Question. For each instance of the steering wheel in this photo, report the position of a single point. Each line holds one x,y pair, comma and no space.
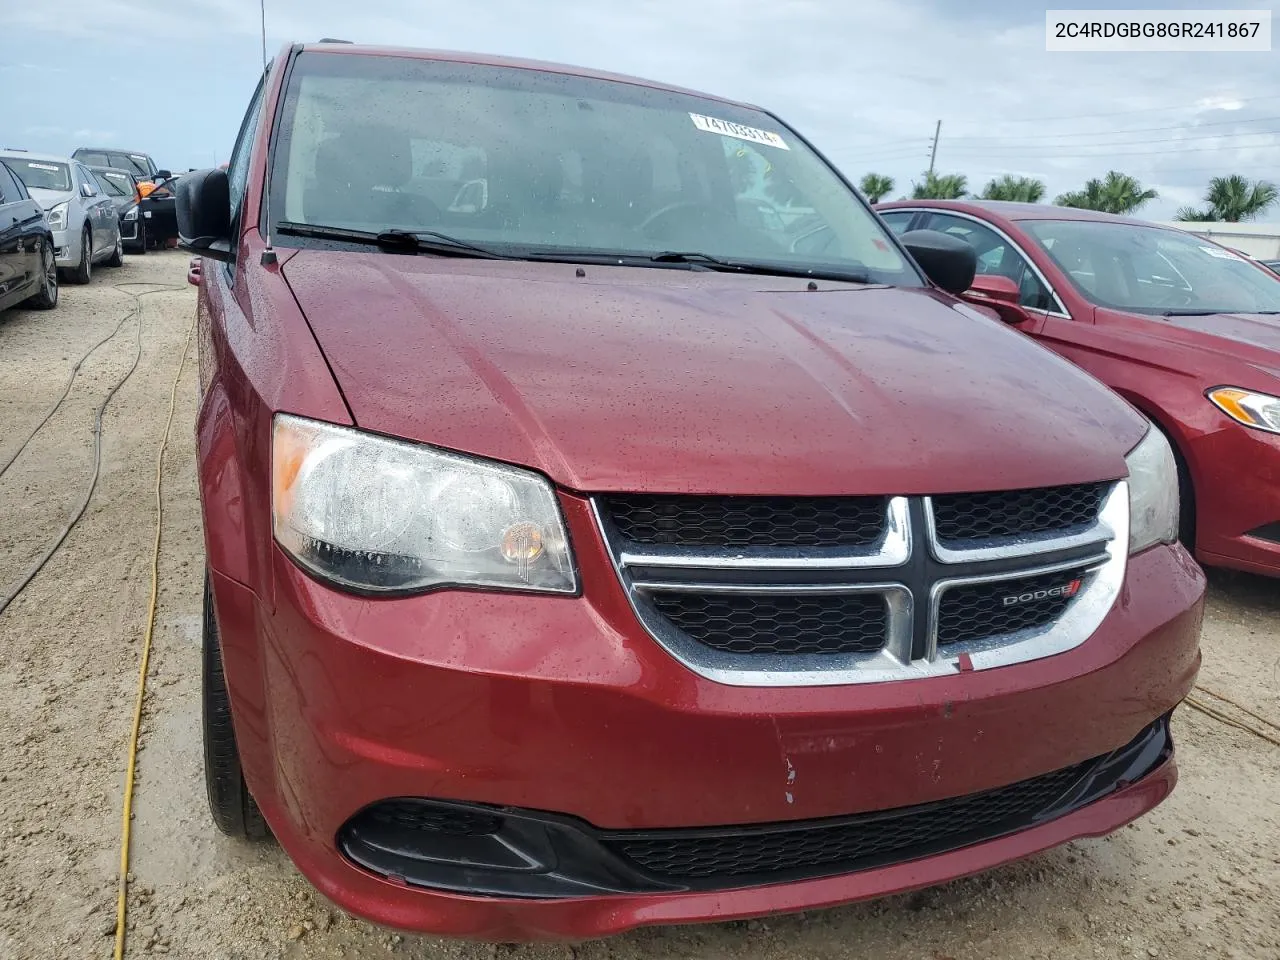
692,206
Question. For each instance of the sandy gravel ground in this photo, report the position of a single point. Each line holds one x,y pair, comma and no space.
1200,877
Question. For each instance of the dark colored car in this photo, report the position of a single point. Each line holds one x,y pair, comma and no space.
583,558
155,186
1183,328
140,164
122,187
28,271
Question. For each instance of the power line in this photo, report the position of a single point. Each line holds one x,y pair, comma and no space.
1109,133
1050,150
1121,113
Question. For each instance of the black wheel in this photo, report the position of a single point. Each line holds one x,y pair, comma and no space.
233,808
117,255
84,271
47,298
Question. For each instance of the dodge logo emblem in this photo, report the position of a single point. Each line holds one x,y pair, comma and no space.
1031,596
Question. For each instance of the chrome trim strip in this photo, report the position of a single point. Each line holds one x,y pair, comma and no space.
1096,534
768,589
892,550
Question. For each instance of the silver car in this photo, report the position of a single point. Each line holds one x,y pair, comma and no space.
82,217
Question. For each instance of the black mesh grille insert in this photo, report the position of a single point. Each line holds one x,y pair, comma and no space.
974,611
673,520
752,854
418,817
759,623
1016,513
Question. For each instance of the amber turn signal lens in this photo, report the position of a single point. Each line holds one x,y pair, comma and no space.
522,543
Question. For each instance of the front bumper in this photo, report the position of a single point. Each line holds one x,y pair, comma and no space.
564,705
66,248
162,218
1237,481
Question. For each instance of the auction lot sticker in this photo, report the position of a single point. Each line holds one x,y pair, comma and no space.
738,131
1182,31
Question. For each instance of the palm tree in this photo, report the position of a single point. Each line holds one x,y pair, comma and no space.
876,186
940,186
1232,199
1191,214
1009,187
1115,193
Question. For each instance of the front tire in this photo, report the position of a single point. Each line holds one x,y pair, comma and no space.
83,273
47,298
117,255
233,808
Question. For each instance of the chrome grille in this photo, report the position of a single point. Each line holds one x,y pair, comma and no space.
747,521
973,611
773,623
775,609
1016,513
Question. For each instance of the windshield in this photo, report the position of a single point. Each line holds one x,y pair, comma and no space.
139,163
41,174
542,163
1154,270
115,184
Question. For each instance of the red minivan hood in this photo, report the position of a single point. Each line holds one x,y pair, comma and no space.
675,381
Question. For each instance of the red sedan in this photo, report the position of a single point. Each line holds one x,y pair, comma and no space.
1186,330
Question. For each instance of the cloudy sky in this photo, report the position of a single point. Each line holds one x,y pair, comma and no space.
864,80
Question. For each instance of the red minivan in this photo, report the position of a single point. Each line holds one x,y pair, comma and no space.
1185,329
582,557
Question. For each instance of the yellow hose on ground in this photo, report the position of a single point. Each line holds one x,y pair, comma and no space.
122,896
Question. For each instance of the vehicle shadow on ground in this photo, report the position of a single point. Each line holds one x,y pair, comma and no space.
1245,591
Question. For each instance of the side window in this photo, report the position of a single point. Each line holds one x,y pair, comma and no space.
898,220
85,179
996,256
9,192
238,169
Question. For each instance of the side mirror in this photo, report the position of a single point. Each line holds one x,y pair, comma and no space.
948,261
1000,294
204,214
163,175
86,191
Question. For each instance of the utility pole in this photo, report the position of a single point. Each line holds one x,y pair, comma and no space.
933,153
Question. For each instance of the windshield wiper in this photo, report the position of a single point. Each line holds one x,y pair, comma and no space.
395,240
1188,313
709,262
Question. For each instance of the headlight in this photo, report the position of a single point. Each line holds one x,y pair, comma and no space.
385,515
57,216
131,213
1258,410
1153,492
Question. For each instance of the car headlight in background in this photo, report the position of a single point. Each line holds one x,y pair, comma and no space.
1258,410
1153,492
57,216
385,515
131,213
